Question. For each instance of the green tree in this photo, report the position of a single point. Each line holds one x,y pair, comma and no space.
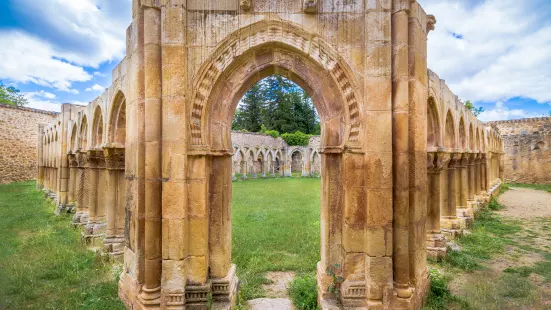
248,115
470,106
276,105
11,95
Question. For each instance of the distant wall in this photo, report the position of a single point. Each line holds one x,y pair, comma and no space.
527,144
18,141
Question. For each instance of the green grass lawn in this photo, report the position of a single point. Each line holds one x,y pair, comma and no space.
43,264
276,227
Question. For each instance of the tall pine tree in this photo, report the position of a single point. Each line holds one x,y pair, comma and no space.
278,104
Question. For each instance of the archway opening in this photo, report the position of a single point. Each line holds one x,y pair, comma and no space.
275,220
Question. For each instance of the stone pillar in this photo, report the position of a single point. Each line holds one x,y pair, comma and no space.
477,180
305,165
501,165
483,177
113,244
450,223
95,227
436,242
40,158
81,187
471,200
73,167
465,218
243,170
151,290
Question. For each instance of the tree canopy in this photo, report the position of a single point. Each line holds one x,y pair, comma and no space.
11,95
276,105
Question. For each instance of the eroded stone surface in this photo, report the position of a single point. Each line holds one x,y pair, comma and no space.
150,161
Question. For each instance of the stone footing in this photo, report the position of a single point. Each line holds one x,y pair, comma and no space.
94,233
465,218
113,248
436,246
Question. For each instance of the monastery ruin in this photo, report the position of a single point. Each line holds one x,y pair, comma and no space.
147,166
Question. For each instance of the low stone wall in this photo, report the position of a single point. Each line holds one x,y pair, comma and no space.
527,145
18,141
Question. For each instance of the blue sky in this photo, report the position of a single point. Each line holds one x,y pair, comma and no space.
496,53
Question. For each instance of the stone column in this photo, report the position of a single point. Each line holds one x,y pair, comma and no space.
501,165
151,290
450,223
436,242
477,179
81,186
40,158
305,166
264,168
465,218
243,170
92,194
73,167
114,162
471,201
483,177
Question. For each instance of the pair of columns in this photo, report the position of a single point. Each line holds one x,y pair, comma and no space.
97,189
456,182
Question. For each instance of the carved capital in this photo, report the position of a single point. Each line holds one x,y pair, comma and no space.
72,158
455,159
442,160
95,159
82,159
431,21
431,157
114,158
245,5
310,6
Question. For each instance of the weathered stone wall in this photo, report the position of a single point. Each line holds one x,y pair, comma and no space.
527,149
18,141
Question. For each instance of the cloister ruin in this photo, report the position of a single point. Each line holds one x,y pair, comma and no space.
147,166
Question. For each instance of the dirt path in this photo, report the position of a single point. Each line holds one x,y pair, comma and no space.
277,296
525,203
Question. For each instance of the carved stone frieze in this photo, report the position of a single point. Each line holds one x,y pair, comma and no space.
114,158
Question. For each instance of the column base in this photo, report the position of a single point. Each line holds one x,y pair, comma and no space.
224,291
94,233
473,206
233,178
254,176
436,246
80,218
113,248
64,208
464,217
150,298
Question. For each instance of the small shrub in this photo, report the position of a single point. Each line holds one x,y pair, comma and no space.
297,138
494,205
440,297
304,292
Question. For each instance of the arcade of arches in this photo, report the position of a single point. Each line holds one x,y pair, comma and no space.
147,166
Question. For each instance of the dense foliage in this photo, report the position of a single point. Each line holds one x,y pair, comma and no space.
10,95
297,138
276,105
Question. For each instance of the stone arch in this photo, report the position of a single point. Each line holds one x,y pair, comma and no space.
297,160
450,140
97,128
277,48
117,120
433,124
83,133
73,145
462,134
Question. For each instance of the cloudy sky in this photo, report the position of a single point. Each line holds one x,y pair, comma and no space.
496,53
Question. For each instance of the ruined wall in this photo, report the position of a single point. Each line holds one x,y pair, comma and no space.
18,141
527,149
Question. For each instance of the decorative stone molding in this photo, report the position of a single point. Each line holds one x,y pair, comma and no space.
114,158
245,4
431,21
310,6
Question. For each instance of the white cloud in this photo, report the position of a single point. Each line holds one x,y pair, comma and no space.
501,112
96,87
43,101
504,52
29,59
87,32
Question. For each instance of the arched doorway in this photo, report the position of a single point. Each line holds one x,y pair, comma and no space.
297,162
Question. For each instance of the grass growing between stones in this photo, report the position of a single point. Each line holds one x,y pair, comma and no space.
43,264
276,227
